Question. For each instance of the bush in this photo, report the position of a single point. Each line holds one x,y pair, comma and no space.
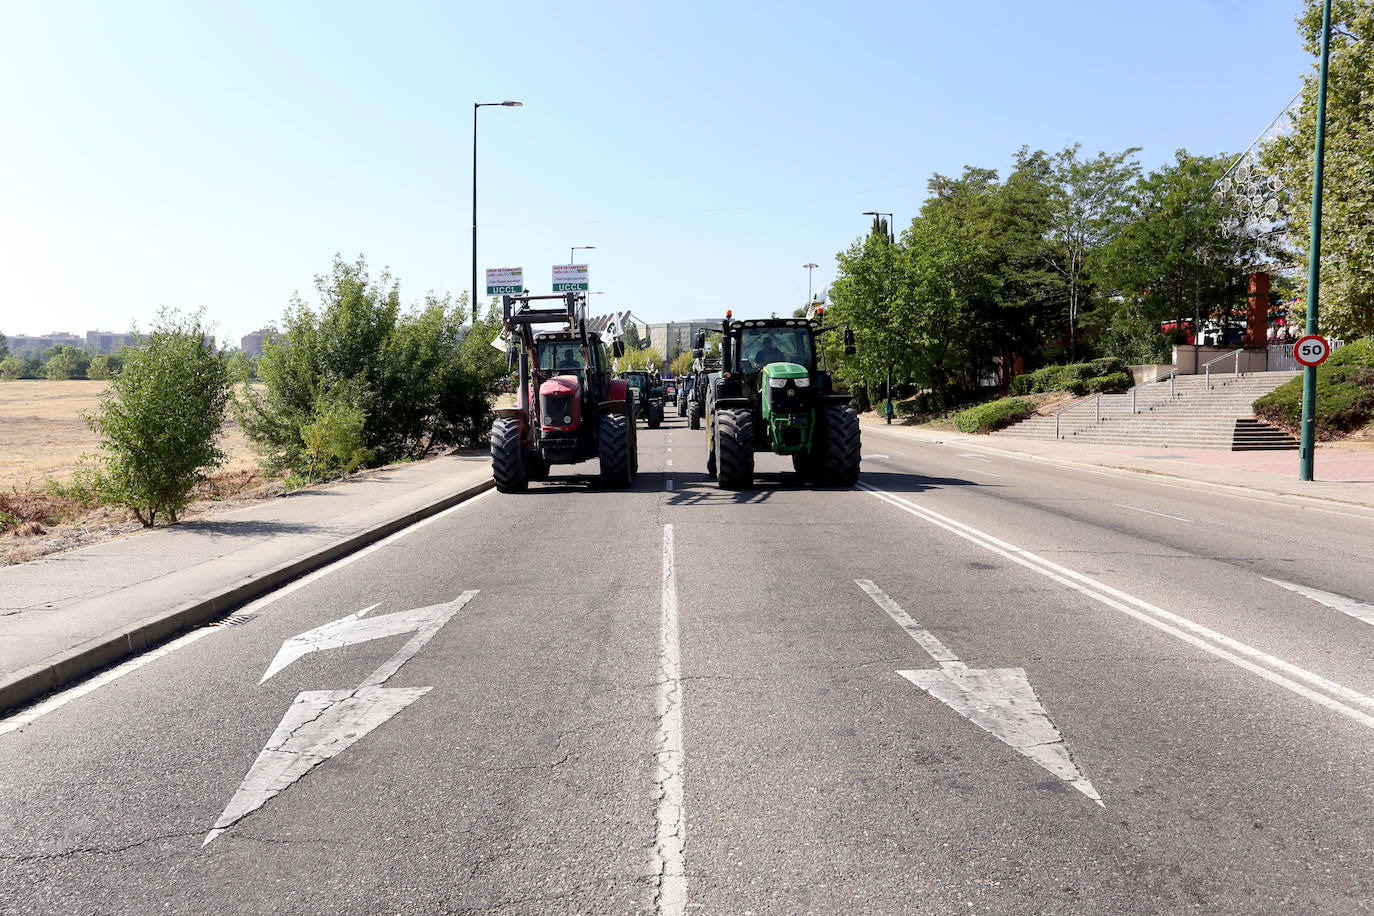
1072,377
1345,394
103,366
1113,381
415,380
923,404
160,419
992,415
11,368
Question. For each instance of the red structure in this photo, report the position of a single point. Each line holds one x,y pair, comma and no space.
1257,318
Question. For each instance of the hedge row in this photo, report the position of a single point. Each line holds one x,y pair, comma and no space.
985,418
1107,374
1345,394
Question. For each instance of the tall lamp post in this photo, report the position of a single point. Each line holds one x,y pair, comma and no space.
810,266
475,106
891,238
1309,374
576,248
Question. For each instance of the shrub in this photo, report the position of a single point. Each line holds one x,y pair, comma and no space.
11,368
160,418
103,366
923,404
992,415
1345,394
1113,381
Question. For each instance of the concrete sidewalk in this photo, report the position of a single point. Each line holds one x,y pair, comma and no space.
65,616
1343,477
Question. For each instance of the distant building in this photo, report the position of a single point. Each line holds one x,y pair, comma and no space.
251,344
107,341
20,343
673,337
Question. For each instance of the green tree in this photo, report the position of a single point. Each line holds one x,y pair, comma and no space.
1087,209
1347,271
4,346
160,418
865,297
66,362
641,358
11,368
1172,256
683,364
103,366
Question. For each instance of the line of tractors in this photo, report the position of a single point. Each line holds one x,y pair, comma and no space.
759,387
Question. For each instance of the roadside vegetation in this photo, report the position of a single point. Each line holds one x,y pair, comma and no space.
1345,395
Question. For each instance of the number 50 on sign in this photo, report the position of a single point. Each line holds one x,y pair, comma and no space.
1311,350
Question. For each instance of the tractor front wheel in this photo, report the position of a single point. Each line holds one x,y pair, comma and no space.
693,416
842,449
613,449
735,448
655,416
507,464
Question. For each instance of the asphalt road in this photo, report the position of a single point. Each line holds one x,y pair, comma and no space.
684,699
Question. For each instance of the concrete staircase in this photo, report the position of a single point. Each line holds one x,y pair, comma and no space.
1195,416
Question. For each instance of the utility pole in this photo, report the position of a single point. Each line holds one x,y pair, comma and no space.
1309,375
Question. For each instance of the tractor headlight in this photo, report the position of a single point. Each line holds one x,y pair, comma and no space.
567,421
777,383
548,421
802,382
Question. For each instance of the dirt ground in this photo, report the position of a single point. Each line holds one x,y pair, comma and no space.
43,435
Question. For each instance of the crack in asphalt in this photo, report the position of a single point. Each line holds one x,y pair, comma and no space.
97,850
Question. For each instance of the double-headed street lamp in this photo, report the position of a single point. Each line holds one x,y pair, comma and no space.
891,236
576,248
810,266
475,106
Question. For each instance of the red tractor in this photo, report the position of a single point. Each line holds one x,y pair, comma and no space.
567,409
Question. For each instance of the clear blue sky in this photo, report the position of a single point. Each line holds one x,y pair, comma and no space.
218,155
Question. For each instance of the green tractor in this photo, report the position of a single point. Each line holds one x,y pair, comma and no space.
771,395
648,388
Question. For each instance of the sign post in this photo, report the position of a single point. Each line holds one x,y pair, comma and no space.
505,281
570,278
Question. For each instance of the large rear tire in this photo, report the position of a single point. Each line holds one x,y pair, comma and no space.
843,451
634,435
613,449
655,416
694,416
735,448
507,464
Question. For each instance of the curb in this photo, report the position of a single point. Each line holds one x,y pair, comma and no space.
28,684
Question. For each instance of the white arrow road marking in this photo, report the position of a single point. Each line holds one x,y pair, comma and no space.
998,700
323,723
1273,669
1357,609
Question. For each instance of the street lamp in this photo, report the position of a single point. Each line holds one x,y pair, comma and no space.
575,248
891,238
475,106
891,235
810,266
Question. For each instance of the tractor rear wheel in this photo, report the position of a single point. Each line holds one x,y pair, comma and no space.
655,415
842,454
735,448
694,416
613,448
507,464
634,436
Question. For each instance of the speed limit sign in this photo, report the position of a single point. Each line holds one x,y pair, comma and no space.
1311,350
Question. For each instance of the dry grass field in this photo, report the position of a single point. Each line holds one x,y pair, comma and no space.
43,433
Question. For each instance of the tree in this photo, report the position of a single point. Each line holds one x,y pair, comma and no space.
160,418
1087,210
1173,256
683,364
11,368
103,366
66,362
864,296
642,358
4,346
1347,263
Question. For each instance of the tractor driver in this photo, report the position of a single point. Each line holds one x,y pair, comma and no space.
767,352
569,359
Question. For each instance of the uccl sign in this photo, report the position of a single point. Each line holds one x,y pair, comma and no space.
505,280
570,278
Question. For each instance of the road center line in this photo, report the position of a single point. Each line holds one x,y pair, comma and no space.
1176,518
983,472
1346,605
1191,632
670,825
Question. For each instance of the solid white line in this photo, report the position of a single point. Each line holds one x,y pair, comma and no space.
1153,512
1179,627
926,639
670,840
670,462
58,700
1346,605
867,457
981,471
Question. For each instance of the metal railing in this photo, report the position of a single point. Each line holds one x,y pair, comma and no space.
1171,375
1207,366
1097,406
